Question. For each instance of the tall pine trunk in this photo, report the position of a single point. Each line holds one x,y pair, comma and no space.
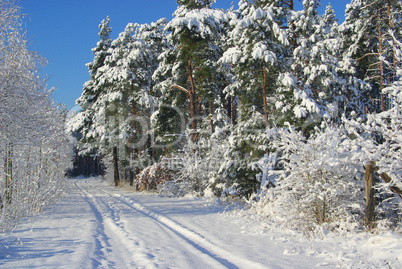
264,94
134,149
116,167
211,122
192,97
380,51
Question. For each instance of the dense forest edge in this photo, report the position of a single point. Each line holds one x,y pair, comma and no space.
286,111
279,107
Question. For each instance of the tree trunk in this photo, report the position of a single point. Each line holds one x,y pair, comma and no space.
383,105
8,172
294,41
192,97
131,177
391,24
211,122
232,111
102,169
116,167
264,94
134,113
369,217
134,149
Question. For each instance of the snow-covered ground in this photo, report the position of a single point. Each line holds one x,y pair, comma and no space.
98,226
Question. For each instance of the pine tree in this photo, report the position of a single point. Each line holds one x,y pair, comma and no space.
126,82
91,91
256,55
119,89
304,67
187,70
367,39
258,46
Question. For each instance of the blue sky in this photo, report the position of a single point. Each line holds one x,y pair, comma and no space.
65,31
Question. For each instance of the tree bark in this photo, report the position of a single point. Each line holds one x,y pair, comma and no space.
134,149
192,97
211,122
8,172
383,105
369,217
294,41
116,167
391,24
264,94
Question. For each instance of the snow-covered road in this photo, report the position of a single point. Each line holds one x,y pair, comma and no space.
98,226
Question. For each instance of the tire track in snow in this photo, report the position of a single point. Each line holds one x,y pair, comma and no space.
125,242
101,240
194,239
193,251
207,247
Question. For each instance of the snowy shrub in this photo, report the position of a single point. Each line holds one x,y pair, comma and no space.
38,178
152,177
200,162
319,185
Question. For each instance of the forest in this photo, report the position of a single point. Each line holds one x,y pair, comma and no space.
280,109
264,103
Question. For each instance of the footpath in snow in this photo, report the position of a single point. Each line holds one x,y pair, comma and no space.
98,226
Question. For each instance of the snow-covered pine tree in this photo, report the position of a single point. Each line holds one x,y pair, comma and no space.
231,88
187,68
258,45
309,73
125,82
83,121
256,55
367,40
148,43
390,151
322,70
191,82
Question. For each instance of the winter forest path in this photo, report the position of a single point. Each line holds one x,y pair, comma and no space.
98,226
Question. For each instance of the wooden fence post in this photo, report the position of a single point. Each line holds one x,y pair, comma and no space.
370,199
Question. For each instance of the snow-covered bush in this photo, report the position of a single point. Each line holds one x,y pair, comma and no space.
37,179
199,163
152,177
321,182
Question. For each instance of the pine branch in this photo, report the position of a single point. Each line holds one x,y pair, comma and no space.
368,54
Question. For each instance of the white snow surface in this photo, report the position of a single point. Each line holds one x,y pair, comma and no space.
98,226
